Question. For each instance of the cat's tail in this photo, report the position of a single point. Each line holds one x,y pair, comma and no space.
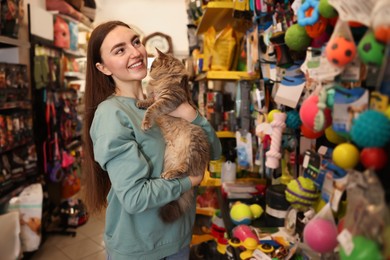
172,211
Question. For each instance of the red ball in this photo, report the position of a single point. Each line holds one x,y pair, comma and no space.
374,157
309,133
340,51
309,110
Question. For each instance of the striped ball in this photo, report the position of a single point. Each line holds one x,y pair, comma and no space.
301,193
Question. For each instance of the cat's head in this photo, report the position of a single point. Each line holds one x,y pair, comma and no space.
165,65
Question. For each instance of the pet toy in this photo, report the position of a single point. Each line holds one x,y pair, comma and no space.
274,155
241,213
346,156
320,235
301,193
370,50
340,51
363,248
373,157
296,38
371,129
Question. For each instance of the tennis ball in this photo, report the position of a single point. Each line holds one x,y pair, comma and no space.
301,193
346,156
256,210
296,38
326,10
270,116
240,213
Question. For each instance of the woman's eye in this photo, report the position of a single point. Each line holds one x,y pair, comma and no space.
119,51
137,42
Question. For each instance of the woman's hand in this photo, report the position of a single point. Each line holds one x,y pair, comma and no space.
196,180
185,111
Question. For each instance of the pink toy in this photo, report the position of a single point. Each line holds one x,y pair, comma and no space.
243,232
274,155
320,235
309,110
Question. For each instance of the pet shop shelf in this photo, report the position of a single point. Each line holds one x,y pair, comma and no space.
11,42
226,75
217,14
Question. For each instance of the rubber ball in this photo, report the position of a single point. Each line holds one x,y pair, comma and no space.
340,51
363,249
373,158
345,156
320,235
371,51
293,120
371,129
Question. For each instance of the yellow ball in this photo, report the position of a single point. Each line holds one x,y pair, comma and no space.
333,137
256,210
270,116
346,155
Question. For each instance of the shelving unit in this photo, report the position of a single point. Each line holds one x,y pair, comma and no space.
16,133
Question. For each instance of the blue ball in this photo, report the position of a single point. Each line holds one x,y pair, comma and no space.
293,120
371,129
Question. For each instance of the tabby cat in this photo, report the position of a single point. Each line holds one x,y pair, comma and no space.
187,146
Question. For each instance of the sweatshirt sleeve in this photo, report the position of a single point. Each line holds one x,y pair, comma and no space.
118,153
215,143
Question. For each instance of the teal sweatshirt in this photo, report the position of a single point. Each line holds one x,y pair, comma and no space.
134,161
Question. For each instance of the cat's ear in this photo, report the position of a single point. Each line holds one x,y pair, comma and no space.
160,53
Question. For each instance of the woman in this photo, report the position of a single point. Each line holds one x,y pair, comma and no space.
124,163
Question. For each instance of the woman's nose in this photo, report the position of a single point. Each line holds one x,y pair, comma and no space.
134,51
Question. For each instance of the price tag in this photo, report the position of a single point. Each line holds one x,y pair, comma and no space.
345,240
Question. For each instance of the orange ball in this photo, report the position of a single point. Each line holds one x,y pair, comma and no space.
340,51
309,133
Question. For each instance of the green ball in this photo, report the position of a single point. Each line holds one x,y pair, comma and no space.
364,249
326,10
370,50
296,38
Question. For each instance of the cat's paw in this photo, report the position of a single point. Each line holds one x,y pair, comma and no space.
146,125
168,175
141,104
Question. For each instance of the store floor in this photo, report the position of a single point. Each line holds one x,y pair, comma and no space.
86,245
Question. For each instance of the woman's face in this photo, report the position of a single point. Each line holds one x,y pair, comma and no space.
123,56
